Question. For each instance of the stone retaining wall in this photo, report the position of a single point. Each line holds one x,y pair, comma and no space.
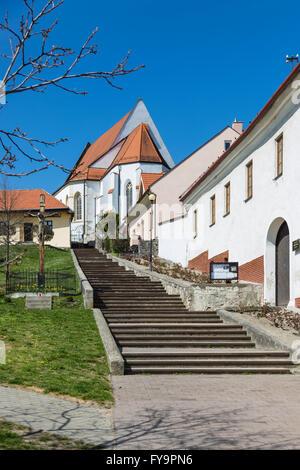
202,297
85,287
144,247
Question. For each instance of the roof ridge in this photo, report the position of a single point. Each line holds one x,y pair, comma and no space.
141,136
97,149
31,201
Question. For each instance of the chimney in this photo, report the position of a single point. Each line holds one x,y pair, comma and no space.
237,126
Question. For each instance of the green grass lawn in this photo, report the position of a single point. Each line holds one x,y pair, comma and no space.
56,350
15,437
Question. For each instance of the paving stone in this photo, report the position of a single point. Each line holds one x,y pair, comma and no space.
207,412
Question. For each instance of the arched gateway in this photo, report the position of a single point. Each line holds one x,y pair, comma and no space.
277,263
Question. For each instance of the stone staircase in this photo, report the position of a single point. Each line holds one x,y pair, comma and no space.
157,334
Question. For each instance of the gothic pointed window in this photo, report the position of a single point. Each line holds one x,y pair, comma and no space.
128,196
78,206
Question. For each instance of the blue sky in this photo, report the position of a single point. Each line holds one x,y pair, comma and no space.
206,63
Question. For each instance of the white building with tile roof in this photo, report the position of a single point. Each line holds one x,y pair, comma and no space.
108,175
245,207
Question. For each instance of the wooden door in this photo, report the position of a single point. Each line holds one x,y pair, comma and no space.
28,233
283,266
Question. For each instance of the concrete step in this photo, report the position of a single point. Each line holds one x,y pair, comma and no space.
136,300
206,370
208,362
142,308
187,314
158,314
158,335
237,336
175,331
161,320
134,297
153,312
225,353
185,343
174,326
124,286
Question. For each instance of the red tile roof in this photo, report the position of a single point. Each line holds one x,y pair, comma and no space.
28,199
138,147
259,116
150,178
96,150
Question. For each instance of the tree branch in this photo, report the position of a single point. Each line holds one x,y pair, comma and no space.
34,73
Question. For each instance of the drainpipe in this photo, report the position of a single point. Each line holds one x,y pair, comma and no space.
119,189
83,233
119,194
95,215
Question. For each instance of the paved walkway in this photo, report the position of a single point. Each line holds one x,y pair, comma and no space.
172,412
49,414
207,412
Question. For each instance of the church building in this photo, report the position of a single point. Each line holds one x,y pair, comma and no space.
109,173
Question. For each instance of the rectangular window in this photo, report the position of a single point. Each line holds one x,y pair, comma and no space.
249,176
227,199
279,156
213,210
227,144
195,223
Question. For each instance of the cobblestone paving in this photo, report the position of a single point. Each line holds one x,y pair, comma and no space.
207,412
46,413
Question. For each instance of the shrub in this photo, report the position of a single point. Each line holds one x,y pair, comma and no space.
120,245
107,244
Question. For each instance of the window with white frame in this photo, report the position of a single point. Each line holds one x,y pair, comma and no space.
195,222
249,180
78,206
213,210
279,156
227,198
128,196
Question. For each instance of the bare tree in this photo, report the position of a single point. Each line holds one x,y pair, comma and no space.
51,65
9,223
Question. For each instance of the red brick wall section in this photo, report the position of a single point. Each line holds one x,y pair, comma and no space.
253,271
297,302
219,258
200,262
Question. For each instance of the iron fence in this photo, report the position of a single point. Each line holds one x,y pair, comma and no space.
33,281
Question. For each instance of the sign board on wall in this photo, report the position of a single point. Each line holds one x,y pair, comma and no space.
224,271
296,245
